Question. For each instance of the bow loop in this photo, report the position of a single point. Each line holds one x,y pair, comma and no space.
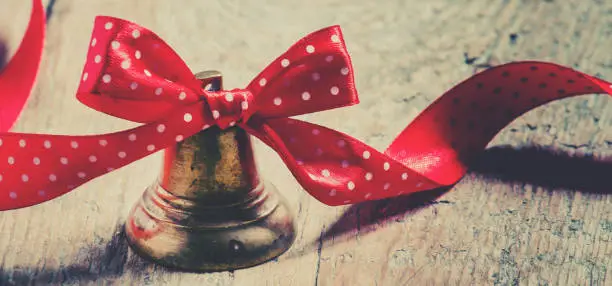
129,67
315,74
229,107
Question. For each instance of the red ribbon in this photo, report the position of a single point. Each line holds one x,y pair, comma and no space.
132,74
18,76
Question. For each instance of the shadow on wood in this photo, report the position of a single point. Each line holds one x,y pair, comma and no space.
546,168
98,262
3,55
536,166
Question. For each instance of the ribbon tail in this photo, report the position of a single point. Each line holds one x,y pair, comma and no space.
333,167
36,168
442,141
18,77
435,149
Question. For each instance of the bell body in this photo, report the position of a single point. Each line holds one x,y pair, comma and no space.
209,210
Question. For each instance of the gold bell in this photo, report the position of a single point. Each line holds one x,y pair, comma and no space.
209,210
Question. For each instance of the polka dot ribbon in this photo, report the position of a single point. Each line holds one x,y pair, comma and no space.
132,74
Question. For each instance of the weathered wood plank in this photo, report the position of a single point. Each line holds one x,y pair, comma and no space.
542,230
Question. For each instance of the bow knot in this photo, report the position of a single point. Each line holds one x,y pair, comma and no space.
228,107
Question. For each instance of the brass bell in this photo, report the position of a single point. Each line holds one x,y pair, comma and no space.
209,210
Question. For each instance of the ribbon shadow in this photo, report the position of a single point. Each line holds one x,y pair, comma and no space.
3,55
546,168
536,166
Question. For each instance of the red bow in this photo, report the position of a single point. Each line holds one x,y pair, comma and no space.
131,73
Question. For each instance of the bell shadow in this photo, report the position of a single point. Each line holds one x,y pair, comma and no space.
108,261
529,165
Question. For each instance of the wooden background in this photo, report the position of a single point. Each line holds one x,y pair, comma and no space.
535,210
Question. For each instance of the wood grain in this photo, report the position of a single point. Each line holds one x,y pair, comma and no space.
542,220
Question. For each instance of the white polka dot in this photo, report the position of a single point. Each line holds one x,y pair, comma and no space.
137,54
115,45
369,176
344,71
332,193
13,195
245,105
232,123
85,75
366,154
150,147
106,78
133,85
329,59
161,128
335,38
418,185
93,42
93,158
11,160
334,90
229,97
74,144
81,175
216,114
147,73
103,142
136,34
132,137
41,193
404,176
47,144
316,76
262,82
22,143
52,178
110,169
310,49
299,162
64,160
25,178
350,185
386,166
158,91
325,173
36,161
182,95
386,186
1,142
125,64
178,138
108,25
341,143
278,101
368,195
316,132
306,95
345,164
121,154
97,59
319,151
285,63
